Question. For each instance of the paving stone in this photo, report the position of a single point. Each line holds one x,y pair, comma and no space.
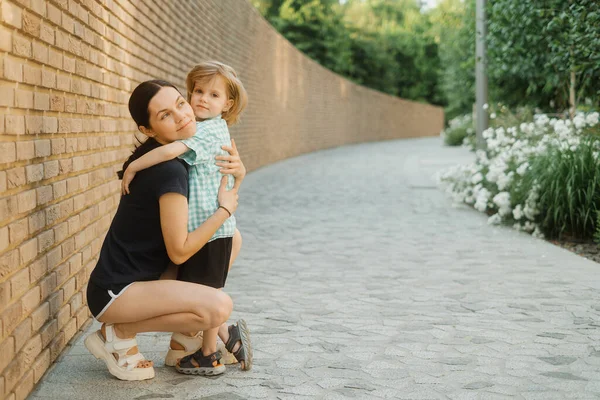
359,279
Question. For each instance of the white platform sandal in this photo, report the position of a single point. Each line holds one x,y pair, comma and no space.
125,368
191,344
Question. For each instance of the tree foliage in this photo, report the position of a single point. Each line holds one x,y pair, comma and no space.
541,53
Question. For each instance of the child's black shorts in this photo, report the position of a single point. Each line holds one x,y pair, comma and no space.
209,266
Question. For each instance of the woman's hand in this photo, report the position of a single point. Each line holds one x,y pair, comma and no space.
232,164
227,198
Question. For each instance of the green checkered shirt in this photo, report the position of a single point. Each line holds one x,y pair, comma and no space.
204,175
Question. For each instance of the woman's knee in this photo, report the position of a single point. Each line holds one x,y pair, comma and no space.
216,309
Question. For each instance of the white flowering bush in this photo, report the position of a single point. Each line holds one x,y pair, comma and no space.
458,130
542,177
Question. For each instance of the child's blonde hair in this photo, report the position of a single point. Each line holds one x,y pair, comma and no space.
235,90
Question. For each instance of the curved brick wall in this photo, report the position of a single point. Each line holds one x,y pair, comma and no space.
67,68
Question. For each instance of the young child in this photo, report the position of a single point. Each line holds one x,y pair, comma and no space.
218,98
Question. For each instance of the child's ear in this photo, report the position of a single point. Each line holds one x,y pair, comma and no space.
228,105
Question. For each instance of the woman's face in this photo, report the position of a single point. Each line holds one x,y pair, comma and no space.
171,117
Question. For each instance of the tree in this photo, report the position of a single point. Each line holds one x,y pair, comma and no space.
549,47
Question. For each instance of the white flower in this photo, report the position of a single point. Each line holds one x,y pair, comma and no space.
493,115
494,219
476,178
486,106
518,212
592,119
502,200
481,200
523,168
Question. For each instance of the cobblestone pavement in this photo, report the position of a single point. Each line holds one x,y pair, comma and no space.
360,279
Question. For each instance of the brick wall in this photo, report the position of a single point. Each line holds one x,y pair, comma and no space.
67,68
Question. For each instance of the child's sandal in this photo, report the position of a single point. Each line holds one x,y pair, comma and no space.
240,333
199,364
126,366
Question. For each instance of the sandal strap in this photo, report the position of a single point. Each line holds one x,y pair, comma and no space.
189,343
130,361
234,337
114,344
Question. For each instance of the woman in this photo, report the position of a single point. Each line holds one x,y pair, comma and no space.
149,229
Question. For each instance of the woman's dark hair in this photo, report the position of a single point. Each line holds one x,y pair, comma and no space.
138,108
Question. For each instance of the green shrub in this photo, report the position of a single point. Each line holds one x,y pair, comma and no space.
568,183
456,136
458,129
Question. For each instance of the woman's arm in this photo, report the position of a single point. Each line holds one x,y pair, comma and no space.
232,164
180,244
150,159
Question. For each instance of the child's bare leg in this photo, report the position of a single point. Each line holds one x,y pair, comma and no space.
236,246
209,341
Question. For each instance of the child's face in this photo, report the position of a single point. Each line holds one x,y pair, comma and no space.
209,98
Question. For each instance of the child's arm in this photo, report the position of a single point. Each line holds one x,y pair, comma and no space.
161,154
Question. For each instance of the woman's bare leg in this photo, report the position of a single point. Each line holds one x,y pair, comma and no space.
168,306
